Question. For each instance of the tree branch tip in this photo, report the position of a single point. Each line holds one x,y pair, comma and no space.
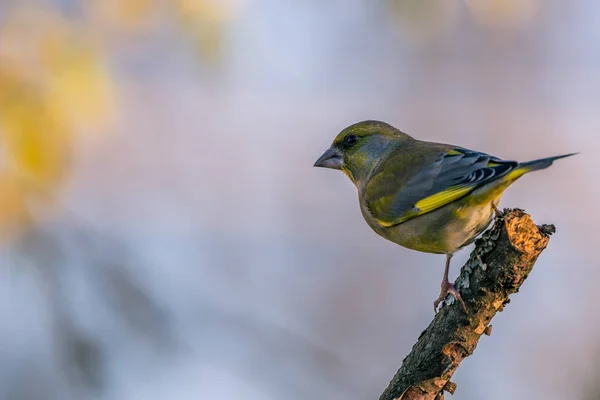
488,330
547,229
449,387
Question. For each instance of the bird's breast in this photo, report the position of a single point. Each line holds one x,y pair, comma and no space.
442,231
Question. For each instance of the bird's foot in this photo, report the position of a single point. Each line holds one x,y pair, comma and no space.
499,214
448,287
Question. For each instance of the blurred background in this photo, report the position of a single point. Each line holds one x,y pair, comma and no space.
164,235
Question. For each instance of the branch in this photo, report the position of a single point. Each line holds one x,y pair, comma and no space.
501,261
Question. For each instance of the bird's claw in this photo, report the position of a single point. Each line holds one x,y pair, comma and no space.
499,214
448,288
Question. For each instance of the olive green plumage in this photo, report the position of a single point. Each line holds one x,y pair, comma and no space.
430,197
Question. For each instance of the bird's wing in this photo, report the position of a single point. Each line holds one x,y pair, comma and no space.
395,196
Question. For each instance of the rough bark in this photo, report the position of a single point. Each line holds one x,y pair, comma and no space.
501,261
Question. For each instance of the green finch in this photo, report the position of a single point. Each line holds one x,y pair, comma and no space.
430,197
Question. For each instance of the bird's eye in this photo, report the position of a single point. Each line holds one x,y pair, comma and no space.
350,140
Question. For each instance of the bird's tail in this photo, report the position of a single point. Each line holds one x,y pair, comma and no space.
535,165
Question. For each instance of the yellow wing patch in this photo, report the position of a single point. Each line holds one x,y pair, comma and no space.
442,198
516,173
431,203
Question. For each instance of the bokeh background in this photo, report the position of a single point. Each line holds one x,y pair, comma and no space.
164,235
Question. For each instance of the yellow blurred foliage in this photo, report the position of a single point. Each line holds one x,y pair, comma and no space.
124,16
32,132
55,86
35,142
423,21
78,85
217,11
503,14
206,21
52,84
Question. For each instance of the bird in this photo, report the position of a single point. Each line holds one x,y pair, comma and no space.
425,196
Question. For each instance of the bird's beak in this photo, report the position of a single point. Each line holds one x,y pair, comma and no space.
330,159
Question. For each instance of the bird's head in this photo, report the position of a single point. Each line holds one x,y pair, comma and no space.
357,148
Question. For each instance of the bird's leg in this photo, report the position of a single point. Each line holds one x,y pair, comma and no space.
499,214
448,287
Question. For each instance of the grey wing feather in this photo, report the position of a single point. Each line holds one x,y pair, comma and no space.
459,167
